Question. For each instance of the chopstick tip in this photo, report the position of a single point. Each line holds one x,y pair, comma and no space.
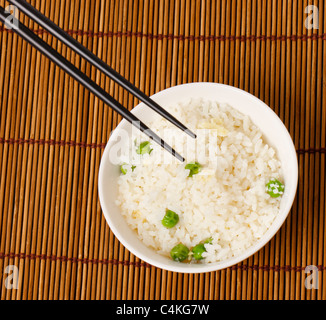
179,157
190,133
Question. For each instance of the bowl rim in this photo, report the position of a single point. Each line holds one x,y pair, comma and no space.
200,268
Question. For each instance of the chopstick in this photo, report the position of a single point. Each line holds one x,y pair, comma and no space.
64,37
83,79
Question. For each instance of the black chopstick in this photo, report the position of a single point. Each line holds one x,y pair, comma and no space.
83,79
63,36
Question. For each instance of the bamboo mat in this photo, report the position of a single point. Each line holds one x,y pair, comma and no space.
53,132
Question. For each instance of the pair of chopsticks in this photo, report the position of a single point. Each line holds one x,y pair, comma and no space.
82,78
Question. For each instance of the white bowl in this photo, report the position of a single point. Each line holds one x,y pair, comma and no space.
275,134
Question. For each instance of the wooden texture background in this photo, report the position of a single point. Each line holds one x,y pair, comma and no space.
53,132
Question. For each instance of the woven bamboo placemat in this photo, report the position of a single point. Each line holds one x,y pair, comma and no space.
53,132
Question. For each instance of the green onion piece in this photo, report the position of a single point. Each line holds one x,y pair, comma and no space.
198,250
144,147
194,168
123,169
179,252
170,219
209,240
274,188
